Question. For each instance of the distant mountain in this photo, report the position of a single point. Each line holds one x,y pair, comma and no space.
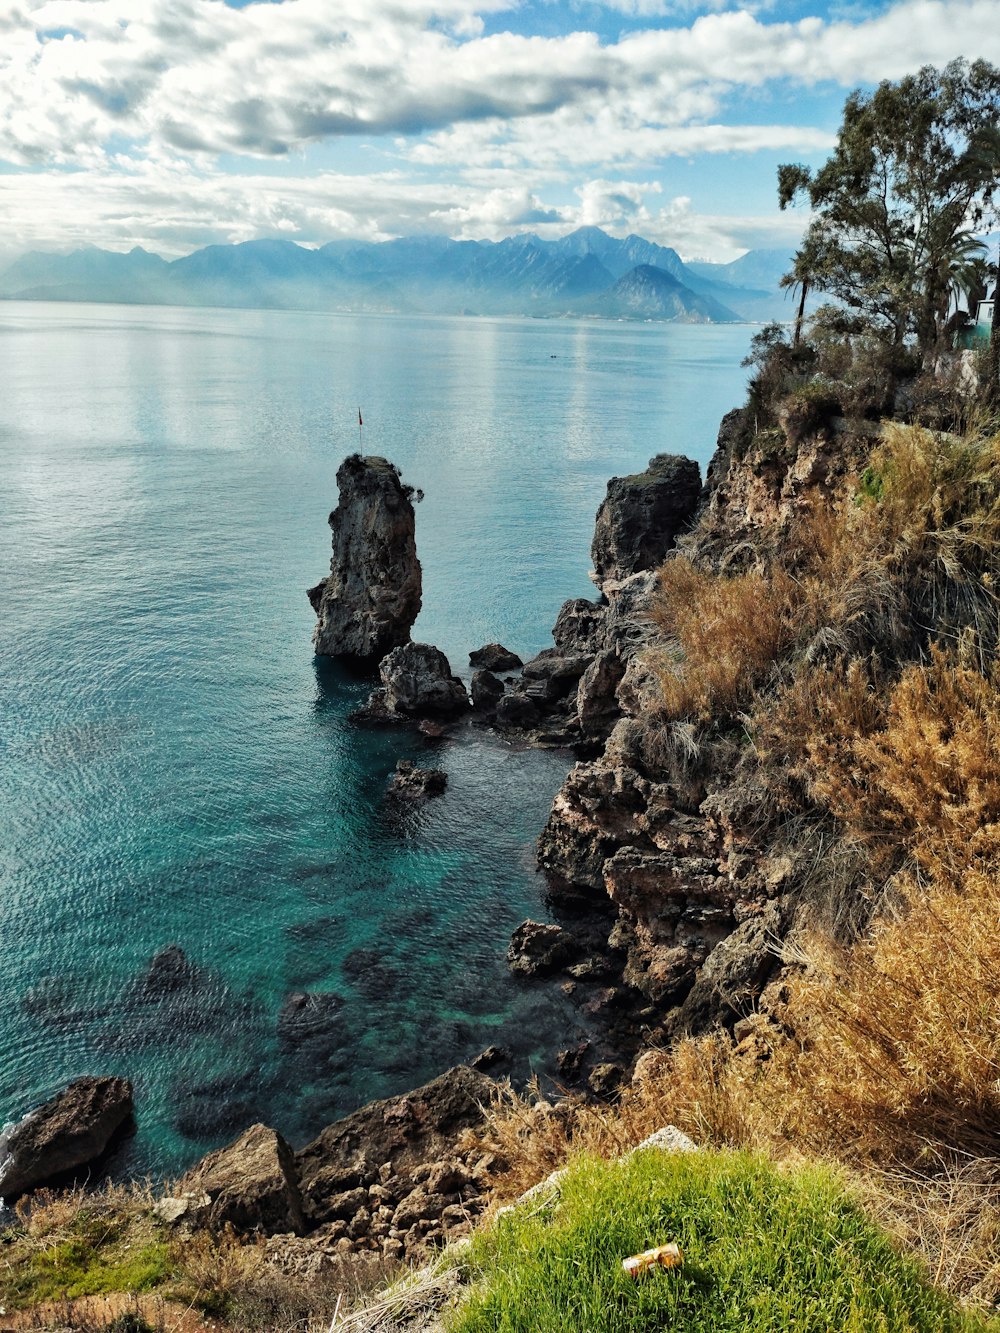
648,292
585,273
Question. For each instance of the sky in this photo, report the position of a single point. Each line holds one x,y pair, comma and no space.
173,124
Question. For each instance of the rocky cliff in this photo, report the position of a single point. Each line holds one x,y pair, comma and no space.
367,604
672,822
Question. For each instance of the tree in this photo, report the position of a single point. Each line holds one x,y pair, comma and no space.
984,159
897,203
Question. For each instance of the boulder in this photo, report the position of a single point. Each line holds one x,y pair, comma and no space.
417,679
495,657
536,949
643,515
393,1140
68,1132
251,1185
487,691
371,597
410,783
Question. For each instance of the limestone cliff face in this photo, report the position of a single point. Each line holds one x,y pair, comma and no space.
369,601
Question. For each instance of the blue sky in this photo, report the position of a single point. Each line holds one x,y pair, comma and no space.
176,123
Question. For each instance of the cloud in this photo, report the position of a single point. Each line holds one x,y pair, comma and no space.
116,113
202,78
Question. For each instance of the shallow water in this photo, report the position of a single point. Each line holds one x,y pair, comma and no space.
179,769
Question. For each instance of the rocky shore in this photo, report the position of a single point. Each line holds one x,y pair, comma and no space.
668,887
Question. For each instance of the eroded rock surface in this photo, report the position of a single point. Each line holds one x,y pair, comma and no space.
417,682
410,783
367,604
252,1185
393,1171
67,1133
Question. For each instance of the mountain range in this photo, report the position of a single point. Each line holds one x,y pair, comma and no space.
585,273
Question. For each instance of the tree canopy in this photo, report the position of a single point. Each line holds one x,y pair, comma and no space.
898,204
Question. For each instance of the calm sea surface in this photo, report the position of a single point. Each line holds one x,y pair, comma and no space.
177,768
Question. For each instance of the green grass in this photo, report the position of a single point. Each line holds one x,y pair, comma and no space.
766,1251
98,1252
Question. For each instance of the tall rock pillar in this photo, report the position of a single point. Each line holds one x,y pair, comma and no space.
367,604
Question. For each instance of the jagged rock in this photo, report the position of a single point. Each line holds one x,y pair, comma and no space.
66,1133
596,695
734,974
251,1185
536,949
555,671
491,1057
643,515
570,1061
369,601
495,657
487,691
410,783
417,679
391,1140
579,627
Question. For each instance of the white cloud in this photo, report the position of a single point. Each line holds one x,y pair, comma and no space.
135,100
198,77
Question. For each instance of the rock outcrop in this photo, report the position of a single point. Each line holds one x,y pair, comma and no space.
417,682
367,604
252,1185
570,694
386,1182
643,515
66,1134
680,832
393,1171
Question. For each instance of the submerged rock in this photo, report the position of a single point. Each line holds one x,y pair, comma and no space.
68,1132
417,679
371,597
643,515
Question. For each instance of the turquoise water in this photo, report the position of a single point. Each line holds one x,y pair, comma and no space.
179,769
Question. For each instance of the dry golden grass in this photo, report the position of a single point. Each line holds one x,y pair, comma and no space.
915,555
729,631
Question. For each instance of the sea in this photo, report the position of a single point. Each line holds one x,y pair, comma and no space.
180,773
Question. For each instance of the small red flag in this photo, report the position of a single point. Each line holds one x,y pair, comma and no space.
360,422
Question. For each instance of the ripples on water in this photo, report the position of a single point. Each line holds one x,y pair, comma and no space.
178,769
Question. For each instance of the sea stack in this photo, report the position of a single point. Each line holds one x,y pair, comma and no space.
371,597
